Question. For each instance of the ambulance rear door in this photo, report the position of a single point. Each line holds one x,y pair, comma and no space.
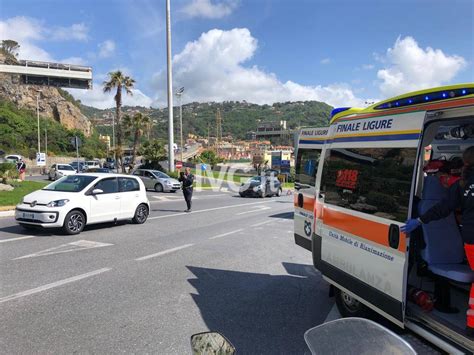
365,191
310,144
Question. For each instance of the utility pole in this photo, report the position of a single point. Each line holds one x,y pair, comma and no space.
179,93
46,141
170,90
38,119
218,130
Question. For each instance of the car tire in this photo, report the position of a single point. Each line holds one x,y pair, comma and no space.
74,222
278,194
141,214
28,227
241,194
348,306
158,187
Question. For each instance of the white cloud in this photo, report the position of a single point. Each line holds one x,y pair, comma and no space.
74,60
368,66
210,9
212,69
77,31
106,48
325,61
97,98
28,31
410,68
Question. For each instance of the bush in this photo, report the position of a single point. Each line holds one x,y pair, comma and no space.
8,171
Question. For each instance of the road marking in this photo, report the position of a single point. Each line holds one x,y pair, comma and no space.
261,223
180,198
52,285
251,211
208,210
66,248
13,239
164,252
225,234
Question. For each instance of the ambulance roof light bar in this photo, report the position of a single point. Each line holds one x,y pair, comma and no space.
335,111
431,96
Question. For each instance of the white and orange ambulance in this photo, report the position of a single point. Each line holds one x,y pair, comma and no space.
308,151
368,182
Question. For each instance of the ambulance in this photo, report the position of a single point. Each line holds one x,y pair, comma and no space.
370,178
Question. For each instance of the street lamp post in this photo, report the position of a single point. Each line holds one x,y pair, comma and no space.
179,94
170,89
38,119
46,141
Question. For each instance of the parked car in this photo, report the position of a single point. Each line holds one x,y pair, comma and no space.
109,163
261,186
82,199
13,158
80,164
157,180
92,164
59,170
99,170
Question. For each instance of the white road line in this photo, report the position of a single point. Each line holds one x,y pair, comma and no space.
13,239
252,211
164,252
52,285
208,210
67,248
225,234
261,223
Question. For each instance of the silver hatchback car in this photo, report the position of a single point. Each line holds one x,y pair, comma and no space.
157,180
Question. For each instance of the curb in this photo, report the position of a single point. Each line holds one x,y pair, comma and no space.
10,213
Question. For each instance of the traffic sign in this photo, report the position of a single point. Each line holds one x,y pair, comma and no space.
179,165
76,141
40,159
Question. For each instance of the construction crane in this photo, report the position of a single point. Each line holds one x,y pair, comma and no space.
218,130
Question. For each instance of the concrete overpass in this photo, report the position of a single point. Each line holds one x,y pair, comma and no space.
51,74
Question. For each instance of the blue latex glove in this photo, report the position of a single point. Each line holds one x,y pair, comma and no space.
410,225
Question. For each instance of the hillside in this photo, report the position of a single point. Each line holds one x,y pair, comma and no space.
238,117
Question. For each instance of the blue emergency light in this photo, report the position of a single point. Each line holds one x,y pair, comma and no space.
335,111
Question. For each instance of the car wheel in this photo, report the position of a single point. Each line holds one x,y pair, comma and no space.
158,187
28,226
279,192
348,306
141,214
74,222
241,194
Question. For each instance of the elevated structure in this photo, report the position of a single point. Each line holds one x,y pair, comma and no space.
274,129
51,74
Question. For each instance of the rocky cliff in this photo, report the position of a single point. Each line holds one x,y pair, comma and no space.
51,104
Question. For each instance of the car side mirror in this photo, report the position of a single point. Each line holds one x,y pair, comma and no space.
211,343
97,191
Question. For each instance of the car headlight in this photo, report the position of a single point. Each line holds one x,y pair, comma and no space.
57,203
167,182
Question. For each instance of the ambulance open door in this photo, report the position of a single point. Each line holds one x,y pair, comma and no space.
364,199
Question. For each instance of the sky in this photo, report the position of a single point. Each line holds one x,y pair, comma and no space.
342,52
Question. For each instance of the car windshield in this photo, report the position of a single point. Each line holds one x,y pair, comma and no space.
160,174
256,179
71,183
65,167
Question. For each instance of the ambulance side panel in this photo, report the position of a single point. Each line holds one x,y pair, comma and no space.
310,144
366,180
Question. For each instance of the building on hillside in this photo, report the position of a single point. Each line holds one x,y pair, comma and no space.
106,140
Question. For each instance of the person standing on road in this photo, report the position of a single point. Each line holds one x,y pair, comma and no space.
187,179
21,166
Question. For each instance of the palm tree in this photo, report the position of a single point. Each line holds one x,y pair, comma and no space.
136,125
122,82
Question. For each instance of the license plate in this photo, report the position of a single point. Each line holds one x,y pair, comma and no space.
27,215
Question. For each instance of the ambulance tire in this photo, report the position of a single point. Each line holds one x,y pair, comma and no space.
348,306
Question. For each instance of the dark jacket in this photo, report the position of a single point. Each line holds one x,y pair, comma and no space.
187,181
458,197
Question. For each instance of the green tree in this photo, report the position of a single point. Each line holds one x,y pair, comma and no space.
117,80
210,157
135,125
154,151
10,48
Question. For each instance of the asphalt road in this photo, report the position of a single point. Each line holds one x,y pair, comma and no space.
230,266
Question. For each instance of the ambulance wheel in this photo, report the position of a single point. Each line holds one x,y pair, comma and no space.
348,306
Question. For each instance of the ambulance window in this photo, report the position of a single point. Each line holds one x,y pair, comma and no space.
371,180
306,167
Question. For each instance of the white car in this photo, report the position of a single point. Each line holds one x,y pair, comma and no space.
77,200
157,180
92,164
59,170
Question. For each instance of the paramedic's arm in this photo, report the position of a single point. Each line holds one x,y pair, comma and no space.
443,208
